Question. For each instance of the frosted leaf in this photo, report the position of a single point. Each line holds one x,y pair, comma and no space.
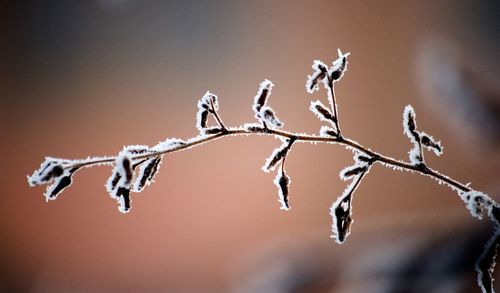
208,102
120,181
341,212
326,131
253,127
49,169
212,130
147,171
409,124
339,66
277,155
476,202
169,144
320,71
322,112
260,99
485,265
414,155
282,181
431,144
60,183
351,171
201,119
268,116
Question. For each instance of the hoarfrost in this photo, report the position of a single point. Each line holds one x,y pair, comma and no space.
326,131
339,66
431,144
169,144
319,74
485,265
277,155
282,181
269,117
120,181
260,99
322,112
147,171
476,202
341,211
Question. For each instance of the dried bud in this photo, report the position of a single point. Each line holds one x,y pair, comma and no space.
431,144
267,116
341,211
326,131
339,66
319,74
322,112
201,119
282,181
147,171
212,130
262,94
351,171
278,154
51,168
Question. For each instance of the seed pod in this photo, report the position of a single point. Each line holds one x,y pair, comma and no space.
147,171
322,112
320,71
262,94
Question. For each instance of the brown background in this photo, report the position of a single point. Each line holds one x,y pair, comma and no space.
87,77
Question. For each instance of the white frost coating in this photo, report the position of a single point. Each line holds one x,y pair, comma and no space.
121,205
54,189
252,126
323,115
277,155
45,173
431,144
282,181
318,75
476,202
268,116
261,97
152,167
346,208
409,118
326,131
168,145
339,62
207,101
414,155
119,176
201,119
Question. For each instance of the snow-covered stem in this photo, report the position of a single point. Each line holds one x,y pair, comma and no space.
385,160
57,173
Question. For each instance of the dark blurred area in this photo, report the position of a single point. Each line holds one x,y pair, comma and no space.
83,78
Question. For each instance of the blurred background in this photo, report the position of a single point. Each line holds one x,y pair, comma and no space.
80,78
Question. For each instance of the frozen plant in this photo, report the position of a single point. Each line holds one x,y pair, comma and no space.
135,166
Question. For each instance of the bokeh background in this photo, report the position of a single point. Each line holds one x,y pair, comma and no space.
80,78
